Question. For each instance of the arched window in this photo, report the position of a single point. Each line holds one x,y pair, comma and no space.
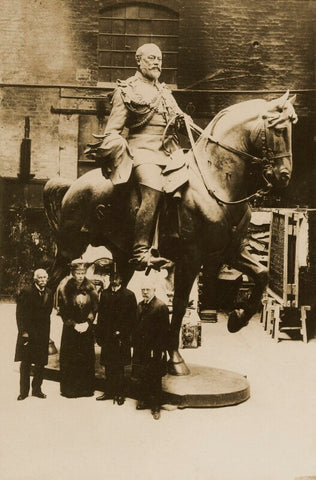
123,29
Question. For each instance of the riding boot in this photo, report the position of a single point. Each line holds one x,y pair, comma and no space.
145,222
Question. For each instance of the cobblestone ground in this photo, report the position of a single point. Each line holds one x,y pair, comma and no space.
272,436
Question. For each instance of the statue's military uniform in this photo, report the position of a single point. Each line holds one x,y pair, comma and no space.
145,110
135,136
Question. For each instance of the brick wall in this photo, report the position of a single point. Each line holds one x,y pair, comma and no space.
43,43
53,137
47,41
248,44
241,45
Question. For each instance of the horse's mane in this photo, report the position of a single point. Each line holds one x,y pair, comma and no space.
236,114
240,110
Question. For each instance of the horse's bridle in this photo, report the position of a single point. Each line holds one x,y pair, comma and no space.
266,162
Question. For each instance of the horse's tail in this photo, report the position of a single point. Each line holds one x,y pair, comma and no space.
53,194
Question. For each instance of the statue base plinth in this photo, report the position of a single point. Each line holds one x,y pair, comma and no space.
203,387
206,387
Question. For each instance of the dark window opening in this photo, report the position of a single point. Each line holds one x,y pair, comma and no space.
123,29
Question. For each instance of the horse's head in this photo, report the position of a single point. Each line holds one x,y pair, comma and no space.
253,136
272,139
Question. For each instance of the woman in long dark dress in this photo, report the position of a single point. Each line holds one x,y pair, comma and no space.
78,305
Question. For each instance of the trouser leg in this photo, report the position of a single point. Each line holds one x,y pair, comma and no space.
155,393
108,389
117,380
37,378
150,388
121,382
110,381
150,393
25,369
142,391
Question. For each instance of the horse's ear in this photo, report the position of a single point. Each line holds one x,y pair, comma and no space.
279,102
284,99
292,99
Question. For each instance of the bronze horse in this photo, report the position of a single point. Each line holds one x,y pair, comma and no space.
243,143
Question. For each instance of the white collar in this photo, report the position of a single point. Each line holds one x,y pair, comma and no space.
147,302
116,289
39,289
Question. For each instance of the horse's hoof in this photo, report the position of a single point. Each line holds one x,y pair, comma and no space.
179,368
236,321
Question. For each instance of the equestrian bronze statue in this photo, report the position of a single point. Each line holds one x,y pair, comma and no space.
245,151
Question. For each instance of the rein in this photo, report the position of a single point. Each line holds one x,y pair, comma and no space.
266,161
240,153
257,194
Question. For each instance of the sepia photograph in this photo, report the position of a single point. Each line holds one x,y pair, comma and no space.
158,240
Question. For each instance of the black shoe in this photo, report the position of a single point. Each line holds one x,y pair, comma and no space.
39,394
22,397
141,405
155,413
119,399
105,396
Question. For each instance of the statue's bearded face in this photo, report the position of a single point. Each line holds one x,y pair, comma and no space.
150,63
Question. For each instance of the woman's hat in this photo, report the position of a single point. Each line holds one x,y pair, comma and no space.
78,265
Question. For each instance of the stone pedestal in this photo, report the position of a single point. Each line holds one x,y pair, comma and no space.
203,387
206,387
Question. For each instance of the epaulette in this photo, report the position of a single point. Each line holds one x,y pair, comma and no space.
121,83
129,92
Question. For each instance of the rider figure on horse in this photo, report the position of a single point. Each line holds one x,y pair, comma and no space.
142,107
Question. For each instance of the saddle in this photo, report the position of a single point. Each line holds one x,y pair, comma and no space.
124,201
176,172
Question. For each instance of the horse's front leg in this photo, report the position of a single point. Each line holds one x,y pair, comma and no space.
122,266
247,264
186,271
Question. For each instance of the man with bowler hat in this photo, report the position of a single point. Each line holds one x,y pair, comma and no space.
116,317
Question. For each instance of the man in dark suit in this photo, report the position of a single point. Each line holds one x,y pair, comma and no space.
116,316
34,306
150,339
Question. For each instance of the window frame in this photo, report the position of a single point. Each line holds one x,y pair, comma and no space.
106,14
